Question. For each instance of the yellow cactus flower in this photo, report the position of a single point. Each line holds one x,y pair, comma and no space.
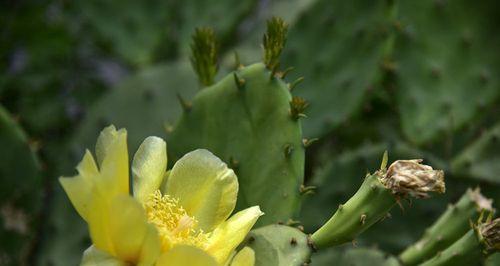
175,217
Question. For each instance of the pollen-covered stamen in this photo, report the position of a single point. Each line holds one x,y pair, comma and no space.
174,225
410,177
490,231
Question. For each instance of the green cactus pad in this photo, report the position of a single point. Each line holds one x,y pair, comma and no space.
279,245
340,57
145,104
481,160
140,33
245,120
354,256
445,70
20,194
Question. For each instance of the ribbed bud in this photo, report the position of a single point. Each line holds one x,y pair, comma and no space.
410,177
490,231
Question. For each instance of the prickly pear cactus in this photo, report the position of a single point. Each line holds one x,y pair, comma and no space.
441,91
250,120
354,256
481,160
449,227
141,33
279,245
322,42
145,104
19,195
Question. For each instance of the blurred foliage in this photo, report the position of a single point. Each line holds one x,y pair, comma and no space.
418,78
19,208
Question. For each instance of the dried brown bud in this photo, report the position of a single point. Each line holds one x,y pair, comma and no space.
410,177
482,203
490,231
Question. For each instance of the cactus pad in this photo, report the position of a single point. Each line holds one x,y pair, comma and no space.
279,245
245,120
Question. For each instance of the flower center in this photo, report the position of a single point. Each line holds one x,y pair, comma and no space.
174,225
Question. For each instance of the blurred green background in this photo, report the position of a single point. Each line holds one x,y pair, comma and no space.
418,78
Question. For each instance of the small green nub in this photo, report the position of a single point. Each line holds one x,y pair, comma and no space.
204,55
274,40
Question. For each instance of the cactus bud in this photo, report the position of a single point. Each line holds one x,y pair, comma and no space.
410,177
273,42
490,232
204,55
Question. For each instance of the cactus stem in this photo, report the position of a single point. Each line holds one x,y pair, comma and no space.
292,85
186,106
240,82
374,199
449,227
308,142
477,244
288,150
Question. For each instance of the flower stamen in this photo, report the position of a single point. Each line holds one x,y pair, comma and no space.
174,224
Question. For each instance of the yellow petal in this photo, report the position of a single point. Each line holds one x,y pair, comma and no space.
245,257
78,188
87,167
186,256
105,139
163,186
227,236
148,167
112,156
121,229
95,257
205,187
150,247
99,222
127,227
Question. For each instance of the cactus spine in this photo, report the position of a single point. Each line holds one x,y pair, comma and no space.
449,227
376,196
